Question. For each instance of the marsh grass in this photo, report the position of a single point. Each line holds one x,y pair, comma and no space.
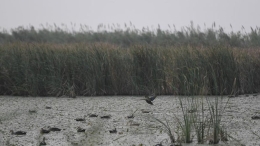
200,120
186,122
128,34
82,69
210,78
201,116
167,128
215,119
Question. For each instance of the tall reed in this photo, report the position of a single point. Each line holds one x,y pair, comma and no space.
129,34
46,69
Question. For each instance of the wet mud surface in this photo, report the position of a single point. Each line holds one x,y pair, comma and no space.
132,118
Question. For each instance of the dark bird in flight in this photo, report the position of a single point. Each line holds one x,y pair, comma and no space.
149,99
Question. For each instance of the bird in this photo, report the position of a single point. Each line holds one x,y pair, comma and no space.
149,99
18,132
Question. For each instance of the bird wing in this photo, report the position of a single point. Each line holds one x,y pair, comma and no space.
149,102
152,97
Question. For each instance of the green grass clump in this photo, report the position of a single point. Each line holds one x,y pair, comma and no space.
186,123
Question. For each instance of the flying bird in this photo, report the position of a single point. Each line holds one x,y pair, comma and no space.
149,99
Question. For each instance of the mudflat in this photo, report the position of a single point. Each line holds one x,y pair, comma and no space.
125,123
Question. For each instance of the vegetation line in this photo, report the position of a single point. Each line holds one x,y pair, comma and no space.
104,69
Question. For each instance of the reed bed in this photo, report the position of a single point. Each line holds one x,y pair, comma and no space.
47,69
128,34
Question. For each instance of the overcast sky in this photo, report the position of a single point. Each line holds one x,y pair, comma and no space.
141,13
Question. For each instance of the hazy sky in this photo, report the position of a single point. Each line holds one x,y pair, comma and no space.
141,13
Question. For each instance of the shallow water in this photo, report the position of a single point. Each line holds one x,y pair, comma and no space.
15,115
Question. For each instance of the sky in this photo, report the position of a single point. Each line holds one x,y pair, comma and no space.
141,13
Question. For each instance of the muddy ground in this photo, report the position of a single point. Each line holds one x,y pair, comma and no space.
30,114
